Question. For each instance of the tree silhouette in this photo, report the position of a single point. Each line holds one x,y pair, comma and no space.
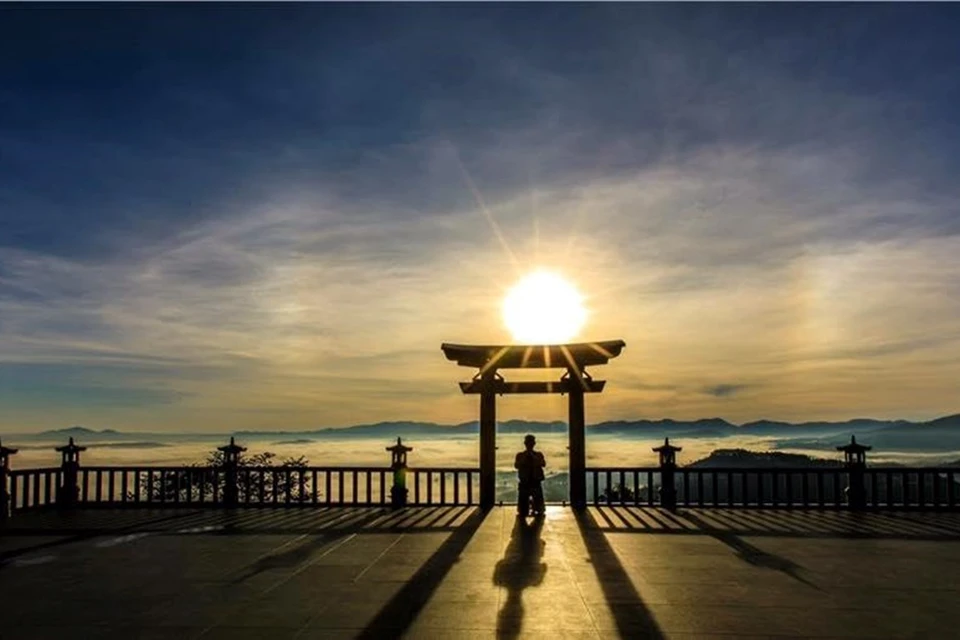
260,479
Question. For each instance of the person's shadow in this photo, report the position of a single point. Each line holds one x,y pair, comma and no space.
519,568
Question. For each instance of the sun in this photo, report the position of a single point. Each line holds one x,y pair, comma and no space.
543,308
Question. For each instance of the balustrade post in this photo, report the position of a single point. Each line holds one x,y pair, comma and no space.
231,461
668,467
398,463
5,453
68,493
855,461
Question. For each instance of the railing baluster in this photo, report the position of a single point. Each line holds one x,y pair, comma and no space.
340,486
456,487
937,493
215,486
650,488
470,488
354,486
951,489
905,489
921,489
443,488
315,489
821,485
416,487
700,488
596,488
383,487
790,477
836,487
369,475
13,494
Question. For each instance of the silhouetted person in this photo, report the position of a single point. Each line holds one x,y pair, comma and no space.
529,465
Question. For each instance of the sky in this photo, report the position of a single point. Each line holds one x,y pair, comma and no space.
269,216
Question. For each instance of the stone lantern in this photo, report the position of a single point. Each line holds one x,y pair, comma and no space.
231,460
69,491
5,453
668,464
398,463
855,461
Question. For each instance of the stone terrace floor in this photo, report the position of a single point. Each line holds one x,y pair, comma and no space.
455,572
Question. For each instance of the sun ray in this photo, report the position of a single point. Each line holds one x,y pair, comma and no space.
486,212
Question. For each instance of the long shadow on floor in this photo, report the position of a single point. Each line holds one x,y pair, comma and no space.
297,554
633,618
400,612
754,555
800,523
521,567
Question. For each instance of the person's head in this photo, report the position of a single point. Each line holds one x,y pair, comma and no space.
529,442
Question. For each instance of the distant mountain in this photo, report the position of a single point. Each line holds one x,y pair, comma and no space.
942,434
78,432
944,423
742,458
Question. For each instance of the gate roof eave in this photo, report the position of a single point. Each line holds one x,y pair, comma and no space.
551,356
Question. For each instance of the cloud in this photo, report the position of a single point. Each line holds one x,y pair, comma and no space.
724,390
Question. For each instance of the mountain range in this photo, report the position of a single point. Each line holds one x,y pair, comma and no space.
939,434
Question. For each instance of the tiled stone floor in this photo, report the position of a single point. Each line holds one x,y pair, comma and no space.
459,573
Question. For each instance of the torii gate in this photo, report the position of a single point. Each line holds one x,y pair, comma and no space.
488,383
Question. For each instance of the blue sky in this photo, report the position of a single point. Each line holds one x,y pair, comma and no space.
252,216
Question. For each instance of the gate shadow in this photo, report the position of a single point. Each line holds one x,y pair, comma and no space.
403,608
631,615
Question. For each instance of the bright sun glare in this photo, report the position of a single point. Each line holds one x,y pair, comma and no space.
543,308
